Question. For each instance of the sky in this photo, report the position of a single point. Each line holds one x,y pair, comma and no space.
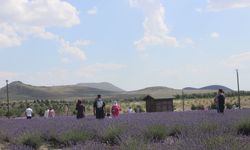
132,44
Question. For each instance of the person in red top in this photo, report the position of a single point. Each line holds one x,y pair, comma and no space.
115,109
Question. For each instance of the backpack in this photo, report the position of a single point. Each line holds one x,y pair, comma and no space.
99,103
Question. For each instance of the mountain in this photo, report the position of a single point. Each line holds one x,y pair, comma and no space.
156,91
102,86
190,88
161,91
216,87
21,91
210,87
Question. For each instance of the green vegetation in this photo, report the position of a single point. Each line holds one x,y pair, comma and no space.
32,140
244,127
112,134
74,136
133,144
155,132
66,107
197,107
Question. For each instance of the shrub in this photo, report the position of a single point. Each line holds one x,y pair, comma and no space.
208,127
213,106
16,112
9,114
139,108
74,136
32,140
174,131
111,135
229,105
40,111
4,137
155,133
243,127
193,107
198,107
133,144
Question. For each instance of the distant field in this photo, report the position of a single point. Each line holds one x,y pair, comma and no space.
245,102
68,107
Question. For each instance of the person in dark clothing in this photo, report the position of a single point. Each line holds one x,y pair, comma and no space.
80,108
221,100
99,107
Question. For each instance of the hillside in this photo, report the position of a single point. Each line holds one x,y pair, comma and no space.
102,86
210,87
21,91
160,91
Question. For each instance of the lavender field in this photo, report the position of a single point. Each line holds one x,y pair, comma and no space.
192,130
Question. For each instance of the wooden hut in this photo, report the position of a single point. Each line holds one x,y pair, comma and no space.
157,103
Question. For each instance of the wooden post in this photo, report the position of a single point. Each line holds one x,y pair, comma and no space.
238,85
182,100
8,103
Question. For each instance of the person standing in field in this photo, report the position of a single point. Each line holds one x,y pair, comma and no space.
99,107
130,110
115,109
51,113
221,100
216,102
46,113
80,108
28,113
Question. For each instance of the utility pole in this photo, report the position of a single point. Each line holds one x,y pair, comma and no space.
182,99
8,103
238,85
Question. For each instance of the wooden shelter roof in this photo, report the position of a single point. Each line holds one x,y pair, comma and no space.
159,96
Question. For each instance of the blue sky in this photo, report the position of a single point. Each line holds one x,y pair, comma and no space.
130,43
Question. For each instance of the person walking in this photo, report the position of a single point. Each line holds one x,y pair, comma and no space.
80,108
99,107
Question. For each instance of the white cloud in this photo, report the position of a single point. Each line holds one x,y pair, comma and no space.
7,75
91,70
218,5
156,31
65,60
8,36
21,19
70,50
81,43
45,13
198,10
187,42
215,35
241,60
92,11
